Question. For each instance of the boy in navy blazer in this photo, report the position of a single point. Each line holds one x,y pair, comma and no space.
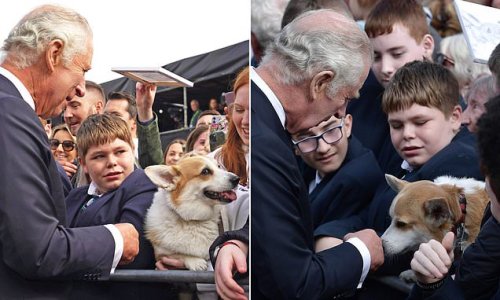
424,118
117,193
477,275
341,174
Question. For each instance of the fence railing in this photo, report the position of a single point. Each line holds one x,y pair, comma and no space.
172,276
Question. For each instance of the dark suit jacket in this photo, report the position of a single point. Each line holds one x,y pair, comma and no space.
348,190
284,264
127,204
35,244
458,159
370,125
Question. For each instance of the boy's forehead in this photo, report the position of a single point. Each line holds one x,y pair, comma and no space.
413,112
104,145
399,37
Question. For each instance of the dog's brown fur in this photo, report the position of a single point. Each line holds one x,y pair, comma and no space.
425,210
183,220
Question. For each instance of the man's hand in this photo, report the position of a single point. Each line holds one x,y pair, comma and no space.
230,257
433,259
326,242
170,263
69,168
130,242
374,244
144,98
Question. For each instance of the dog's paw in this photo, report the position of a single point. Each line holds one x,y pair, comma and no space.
408,276
195,264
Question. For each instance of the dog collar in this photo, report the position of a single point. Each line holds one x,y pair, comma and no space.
459,228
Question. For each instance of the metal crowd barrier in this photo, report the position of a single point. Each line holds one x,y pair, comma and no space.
172,276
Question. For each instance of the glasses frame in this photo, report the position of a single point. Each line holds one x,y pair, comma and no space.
320,136
65,148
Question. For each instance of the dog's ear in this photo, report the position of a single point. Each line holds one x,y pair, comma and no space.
454,192
163,176
395,183
437,211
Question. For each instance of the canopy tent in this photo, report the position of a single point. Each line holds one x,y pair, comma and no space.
212,74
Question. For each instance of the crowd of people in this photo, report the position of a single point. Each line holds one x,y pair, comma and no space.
319,198
339,93
77,195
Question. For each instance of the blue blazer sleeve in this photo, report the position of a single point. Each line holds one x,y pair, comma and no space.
34,241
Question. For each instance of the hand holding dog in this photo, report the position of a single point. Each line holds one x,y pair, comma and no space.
130,242
433,259
374,244
230,257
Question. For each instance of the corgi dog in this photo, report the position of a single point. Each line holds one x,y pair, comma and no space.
425,210
183,219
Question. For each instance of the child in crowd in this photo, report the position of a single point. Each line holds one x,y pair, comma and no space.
425,127
399,34
478,274
198,140
341,174
174,151
116,194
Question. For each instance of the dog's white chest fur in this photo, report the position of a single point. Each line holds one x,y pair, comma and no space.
173,236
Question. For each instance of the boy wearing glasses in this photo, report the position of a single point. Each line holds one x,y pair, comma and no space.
341,174
117,193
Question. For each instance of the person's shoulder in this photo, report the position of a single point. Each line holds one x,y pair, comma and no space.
138,181
77,193
360,163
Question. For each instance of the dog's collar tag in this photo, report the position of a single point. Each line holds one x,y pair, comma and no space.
461,233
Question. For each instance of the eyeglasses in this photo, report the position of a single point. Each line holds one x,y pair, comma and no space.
330,136
444,60
66,145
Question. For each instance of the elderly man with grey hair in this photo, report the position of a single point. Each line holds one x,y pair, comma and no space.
46,56
317,64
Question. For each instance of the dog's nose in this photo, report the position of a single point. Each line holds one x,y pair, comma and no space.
234,179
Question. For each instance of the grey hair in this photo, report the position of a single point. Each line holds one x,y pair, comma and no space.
466,70
484,85
298,55
31,36
266,19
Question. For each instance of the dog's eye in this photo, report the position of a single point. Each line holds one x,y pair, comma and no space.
206,171
400,224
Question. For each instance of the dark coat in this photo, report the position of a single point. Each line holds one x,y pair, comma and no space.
127,204
371,126
284,263
348,190
36,247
